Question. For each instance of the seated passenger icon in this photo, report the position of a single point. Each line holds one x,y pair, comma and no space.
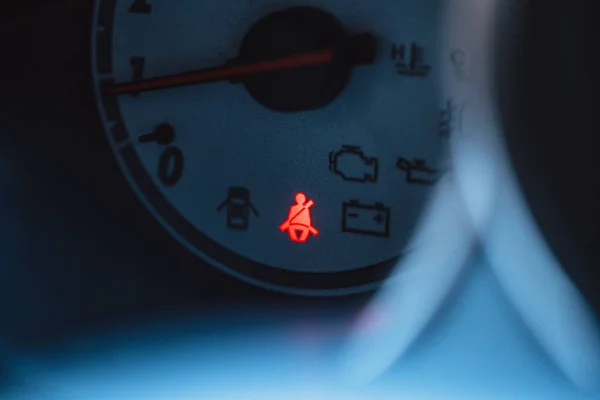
299,222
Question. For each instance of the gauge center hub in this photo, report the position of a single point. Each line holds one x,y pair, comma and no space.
293,31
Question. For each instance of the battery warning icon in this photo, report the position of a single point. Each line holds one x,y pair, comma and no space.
366,219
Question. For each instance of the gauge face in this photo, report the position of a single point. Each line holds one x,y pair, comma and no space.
291,145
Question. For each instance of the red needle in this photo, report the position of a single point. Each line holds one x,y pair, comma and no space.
223,73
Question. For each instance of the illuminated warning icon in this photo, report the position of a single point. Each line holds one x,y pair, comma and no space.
299,222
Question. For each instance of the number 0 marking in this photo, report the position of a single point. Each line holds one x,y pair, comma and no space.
170,166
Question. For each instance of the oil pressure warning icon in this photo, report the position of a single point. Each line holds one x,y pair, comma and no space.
299,222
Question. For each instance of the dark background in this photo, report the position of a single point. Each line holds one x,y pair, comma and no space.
547,65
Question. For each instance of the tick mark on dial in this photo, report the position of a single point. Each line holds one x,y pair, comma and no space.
163,134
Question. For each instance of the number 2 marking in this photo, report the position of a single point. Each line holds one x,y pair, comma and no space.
170,166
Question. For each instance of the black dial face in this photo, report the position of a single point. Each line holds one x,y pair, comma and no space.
291,145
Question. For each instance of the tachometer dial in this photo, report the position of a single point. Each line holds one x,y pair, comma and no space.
293,146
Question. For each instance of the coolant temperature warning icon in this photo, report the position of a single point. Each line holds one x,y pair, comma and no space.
299,222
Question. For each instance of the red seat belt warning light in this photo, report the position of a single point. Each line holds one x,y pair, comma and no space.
299,222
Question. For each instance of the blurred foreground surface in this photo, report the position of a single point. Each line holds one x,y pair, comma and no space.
478,349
